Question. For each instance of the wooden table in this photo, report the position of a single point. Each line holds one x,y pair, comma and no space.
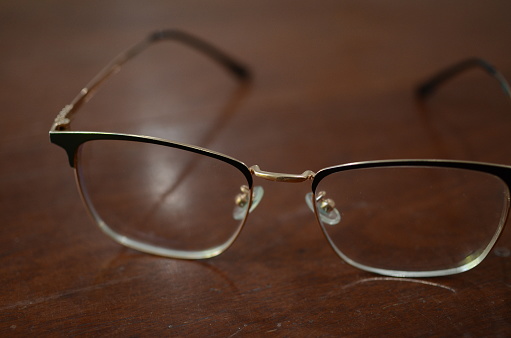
332,83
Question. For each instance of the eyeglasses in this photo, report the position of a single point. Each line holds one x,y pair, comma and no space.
408,218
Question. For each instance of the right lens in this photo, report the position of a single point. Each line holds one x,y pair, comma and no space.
161,199
413,221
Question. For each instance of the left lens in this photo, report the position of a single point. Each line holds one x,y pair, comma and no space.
161,199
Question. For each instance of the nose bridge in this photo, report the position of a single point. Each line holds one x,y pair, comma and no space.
282,177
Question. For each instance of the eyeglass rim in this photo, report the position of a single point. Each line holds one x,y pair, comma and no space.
502,172
70,141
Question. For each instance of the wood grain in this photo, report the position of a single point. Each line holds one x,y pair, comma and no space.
333,83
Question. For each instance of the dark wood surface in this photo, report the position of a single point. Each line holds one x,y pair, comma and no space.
333,83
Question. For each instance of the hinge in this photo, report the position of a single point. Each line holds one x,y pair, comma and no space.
62,122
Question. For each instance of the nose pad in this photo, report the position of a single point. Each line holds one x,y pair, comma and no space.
242,199
326,208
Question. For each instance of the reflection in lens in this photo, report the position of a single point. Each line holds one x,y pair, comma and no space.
161,199
411,221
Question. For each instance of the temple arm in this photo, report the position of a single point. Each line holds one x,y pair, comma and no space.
63,119
428,87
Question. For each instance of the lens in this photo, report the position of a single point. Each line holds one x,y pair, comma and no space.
160,199
412,221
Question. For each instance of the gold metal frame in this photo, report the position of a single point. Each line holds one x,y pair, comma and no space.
70,141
